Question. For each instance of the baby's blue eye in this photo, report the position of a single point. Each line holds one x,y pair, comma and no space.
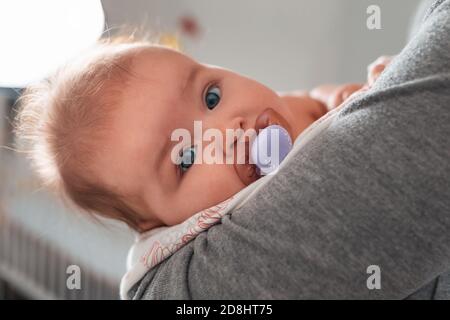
187,158
212,97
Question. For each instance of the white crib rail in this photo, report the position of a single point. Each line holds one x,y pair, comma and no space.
38,270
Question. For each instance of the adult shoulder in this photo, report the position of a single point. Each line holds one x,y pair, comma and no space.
371,190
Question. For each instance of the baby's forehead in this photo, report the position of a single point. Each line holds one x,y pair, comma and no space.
160,56
146,102
159,73
156,62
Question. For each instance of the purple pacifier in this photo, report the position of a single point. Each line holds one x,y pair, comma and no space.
269,148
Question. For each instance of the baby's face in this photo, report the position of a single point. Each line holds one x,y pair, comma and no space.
170,91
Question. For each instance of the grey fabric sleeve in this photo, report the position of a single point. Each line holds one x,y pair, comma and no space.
373,189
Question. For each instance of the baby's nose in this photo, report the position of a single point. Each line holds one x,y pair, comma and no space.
235,127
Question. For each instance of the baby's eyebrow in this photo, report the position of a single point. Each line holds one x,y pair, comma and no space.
162,153
161,166
192,75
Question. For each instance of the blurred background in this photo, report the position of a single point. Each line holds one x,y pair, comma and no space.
287,45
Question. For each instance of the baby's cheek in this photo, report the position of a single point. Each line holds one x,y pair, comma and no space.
203,188
252,97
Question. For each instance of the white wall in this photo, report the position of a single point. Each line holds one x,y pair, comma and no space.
285,44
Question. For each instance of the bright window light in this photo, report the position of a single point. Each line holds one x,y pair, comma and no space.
38,36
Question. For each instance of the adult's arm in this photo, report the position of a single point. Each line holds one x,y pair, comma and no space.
372,189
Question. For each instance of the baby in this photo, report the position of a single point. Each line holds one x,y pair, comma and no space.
99,129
